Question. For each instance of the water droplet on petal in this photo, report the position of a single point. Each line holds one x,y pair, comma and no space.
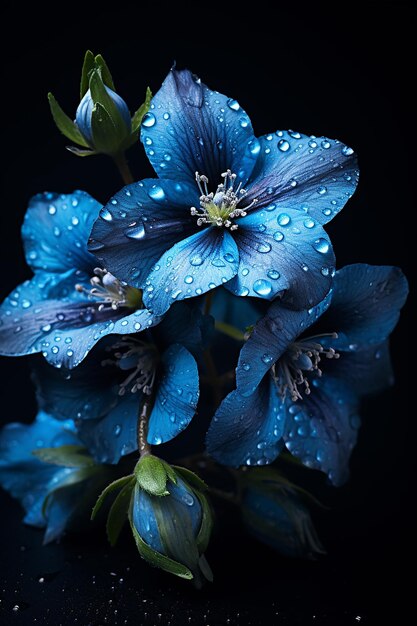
262,287
105,214
188,280
325,144
263,248
26,304
321,245
322,190
156,193
229,257
283,145
52,210
309,223
278,235
135,232
347,151
149,120
196,260
266,358
283,219
233,104
273,274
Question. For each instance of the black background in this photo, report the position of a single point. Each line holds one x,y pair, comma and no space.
345,74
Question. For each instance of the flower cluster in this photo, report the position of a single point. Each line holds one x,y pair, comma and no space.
216,273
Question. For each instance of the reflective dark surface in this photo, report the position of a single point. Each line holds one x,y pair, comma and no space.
345,77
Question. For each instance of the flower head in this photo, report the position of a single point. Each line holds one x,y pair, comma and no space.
228,208
53,489
70,303
301,374
107,392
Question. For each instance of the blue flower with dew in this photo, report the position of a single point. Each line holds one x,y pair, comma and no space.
228,208
301,375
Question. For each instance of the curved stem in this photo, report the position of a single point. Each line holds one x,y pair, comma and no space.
123,167
143,445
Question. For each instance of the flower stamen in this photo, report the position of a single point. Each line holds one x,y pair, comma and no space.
110,291
221,207
290,373
138,356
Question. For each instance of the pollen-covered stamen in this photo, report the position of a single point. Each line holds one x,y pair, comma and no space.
139,357
110,291
290,373
221,207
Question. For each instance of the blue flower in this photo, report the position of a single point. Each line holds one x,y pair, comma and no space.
106,393
299,386
51,495
228,208
173,529
275,513
69,304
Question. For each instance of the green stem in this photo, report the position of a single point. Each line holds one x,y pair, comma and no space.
123,167
143,445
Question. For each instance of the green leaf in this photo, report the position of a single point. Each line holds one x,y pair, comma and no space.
80,152
88,65
229,330
204,534
118,513
170,472
104,131
100,96
116,484
151,475
65,124
189,476
68,456
105,72
142,110
156,558
74,478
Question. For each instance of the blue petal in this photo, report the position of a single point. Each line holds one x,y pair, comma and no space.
115,434
144,519
314,175
63,330
364,371
321,430
177,395
87,392
366,305
190,129
269,339
191,267
56,230
280,251
23,475
247,431
185,324
139,224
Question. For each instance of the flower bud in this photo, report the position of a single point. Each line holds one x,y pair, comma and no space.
273,511
172,530
103,124
84,119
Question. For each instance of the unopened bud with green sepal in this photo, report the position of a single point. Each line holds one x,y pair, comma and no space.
169,514
103,123
275,511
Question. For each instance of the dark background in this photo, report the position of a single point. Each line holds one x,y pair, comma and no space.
344,74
